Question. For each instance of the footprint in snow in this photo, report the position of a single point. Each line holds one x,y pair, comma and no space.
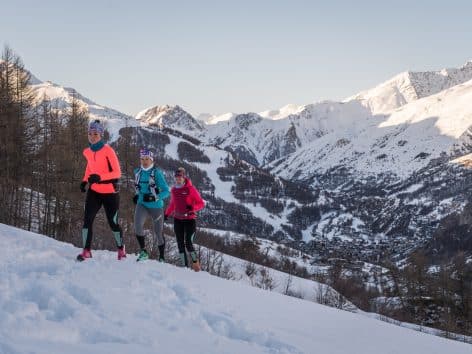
225,326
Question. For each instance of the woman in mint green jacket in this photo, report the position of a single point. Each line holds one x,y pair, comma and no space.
151,190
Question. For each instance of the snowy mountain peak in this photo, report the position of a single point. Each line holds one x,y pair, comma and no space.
410,86
61,98
168,116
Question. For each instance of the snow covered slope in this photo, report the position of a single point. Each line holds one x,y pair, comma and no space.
400,143
410,86
261,140
51,304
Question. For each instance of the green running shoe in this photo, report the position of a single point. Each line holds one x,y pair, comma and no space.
143,256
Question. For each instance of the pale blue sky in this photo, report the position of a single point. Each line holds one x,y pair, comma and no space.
239,56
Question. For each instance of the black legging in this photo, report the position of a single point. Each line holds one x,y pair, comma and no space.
93,203
185,232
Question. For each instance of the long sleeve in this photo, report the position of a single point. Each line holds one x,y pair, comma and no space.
114,165
198,202
162,185
87,173
171,207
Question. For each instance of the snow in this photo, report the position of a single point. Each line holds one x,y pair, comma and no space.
262,136
307,235
260,212
283,112
52,304
171,148
61,98
331,218
168,116
357,223
441,114
303,288
276,114
400,143
217,158
213,119
414,187
409,86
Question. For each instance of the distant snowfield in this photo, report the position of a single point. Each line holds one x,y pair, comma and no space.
52,304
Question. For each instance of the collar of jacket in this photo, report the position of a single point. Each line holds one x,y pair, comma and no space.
148,168
97,146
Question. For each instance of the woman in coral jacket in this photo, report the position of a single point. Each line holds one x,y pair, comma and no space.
185,201
101,174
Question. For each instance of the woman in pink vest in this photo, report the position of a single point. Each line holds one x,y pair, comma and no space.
102,175
185,201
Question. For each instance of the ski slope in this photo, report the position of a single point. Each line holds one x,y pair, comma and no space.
52,304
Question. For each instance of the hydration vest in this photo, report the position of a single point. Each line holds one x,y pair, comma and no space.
151,183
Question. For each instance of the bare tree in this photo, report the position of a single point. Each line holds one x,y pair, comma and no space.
15,113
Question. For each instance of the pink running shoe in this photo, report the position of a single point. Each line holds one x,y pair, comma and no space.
86,253
121,253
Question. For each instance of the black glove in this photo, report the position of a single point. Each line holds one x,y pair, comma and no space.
189,208
82,186
135,199
166,217
94,178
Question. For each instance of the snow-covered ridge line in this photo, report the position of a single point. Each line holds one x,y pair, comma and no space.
402,89
410,86
428,115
